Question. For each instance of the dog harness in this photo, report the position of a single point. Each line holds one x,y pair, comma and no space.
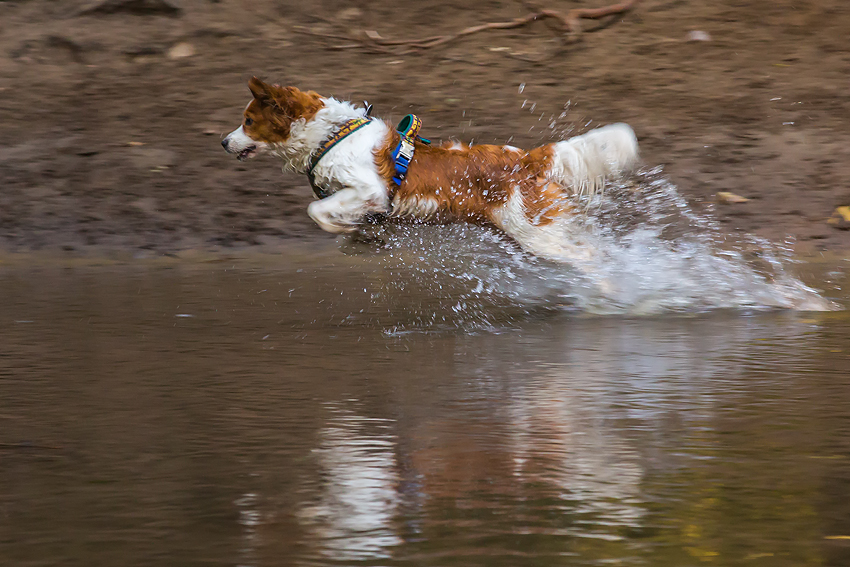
402,154
347,129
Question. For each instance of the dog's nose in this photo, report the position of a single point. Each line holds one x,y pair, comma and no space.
224,143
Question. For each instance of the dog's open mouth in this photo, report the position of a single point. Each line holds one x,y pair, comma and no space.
247,153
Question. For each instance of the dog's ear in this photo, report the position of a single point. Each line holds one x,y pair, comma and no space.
295,103
262,92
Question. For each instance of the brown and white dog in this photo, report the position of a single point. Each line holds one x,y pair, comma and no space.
523,193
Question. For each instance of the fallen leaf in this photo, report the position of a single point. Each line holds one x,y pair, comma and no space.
728,198
840,218
758,555
181,50
699,35
135,143
349,14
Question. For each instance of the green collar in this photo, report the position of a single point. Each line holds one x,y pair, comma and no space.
347,129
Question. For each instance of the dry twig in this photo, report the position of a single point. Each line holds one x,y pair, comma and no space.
569,23
137,7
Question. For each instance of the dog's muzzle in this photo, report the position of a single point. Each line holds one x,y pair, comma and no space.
241,154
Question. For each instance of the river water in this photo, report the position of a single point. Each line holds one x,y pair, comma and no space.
431,396
309,409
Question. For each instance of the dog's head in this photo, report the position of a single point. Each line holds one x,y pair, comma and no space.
268,119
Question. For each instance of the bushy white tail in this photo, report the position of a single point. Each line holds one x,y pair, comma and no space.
584,162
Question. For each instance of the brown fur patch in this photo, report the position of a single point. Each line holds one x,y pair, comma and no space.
544,201
270,115
470,183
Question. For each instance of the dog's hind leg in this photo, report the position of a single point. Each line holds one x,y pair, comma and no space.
584,163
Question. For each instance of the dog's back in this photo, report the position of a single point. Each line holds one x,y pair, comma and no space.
474,183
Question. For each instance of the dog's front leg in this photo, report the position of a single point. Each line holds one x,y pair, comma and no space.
345,210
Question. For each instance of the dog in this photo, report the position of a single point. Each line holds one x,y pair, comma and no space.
522,193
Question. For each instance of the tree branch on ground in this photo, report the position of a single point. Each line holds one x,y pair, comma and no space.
568,24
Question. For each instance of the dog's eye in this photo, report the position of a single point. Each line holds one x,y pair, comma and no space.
248,122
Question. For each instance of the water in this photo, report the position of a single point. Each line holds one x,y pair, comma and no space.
638,249
434,397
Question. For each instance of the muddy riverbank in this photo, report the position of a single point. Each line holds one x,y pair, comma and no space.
110,122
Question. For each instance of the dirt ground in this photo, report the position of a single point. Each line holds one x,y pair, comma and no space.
110,122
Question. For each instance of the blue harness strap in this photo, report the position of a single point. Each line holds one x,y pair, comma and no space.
347,129
403,152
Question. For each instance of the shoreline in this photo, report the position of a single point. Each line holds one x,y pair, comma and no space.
310,250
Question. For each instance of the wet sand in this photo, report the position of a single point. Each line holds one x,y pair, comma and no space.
111,137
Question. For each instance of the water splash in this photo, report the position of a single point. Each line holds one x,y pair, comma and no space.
648,253
657,254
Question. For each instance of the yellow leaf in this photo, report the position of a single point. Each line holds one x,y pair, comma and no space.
702,554
729,198
840,218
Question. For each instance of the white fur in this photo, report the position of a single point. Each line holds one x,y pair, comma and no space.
584,162
548,241
419,207
306,137
238,141
350,173
348,170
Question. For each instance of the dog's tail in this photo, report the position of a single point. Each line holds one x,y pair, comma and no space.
584,163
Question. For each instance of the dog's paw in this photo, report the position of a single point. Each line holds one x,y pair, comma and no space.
330,221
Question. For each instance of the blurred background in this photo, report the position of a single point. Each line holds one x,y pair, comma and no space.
111,111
